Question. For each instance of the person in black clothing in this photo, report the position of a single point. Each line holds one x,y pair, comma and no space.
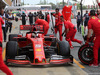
78,18
23,19
41,16
9,22
46,16
35,16
30,18
4,16
86,19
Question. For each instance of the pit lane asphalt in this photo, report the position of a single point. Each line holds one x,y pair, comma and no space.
74,69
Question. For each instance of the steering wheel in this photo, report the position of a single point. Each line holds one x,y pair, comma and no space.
34,24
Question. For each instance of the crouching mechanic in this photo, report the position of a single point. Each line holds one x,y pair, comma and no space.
42,22
3,67
70,32
94,26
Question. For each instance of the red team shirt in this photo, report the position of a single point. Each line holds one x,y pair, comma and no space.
94,23
48,18
42,22
99,4
68,25
57,18
1,22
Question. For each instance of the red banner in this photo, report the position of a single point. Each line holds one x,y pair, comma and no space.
66,12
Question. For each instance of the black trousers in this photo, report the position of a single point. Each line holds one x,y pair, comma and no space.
31,22
9,26
4,33
78,26
23,22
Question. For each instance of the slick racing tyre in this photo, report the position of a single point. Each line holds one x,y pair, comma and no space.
63,48
85,54
11,49
11,37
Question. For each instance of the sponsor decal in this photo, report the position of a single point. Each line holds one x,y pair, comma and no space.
38,50
98,20
37,45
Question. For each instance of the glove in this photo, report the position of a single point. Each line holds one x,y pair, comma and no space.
55,26
51,13
87,39
62,34
86,43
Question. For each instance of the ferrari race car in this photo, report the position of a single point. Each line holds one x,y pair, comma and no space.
85,52
37,49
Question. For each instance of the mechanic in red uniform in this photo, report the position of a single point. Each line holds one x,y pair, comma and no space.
98,13
58,23
3,67
98,2
47,17
70,32
94,26
42,22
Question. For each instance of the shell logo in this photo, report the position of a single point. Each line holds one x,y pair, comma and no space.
38,50
93,17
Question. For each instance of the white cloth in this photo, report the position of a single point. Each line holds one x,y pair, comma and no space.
10,16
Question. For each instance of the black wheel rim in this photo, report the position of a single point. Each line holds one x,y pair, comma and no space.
87,54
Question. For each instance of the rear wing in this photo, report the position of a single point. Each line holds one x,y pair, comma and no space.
32,27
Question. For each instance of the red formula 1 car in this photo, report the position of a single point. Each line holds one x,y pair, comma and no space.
37,49
85,52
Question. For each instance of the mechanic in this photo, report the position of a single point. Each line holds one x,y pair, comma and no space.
86,19
98,13
42,22
47,17
94,26
98,2
70,32
3,67
58,23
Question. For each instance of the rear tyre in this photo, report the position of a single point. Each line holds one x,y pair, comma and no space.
11,37
85,54
63,48
11,49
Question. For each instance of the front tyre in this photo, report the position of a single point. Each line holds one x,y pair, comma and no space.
63,48
85,54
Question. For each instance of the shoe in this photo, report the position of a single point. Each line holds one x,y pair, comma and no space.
92,65
71,47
